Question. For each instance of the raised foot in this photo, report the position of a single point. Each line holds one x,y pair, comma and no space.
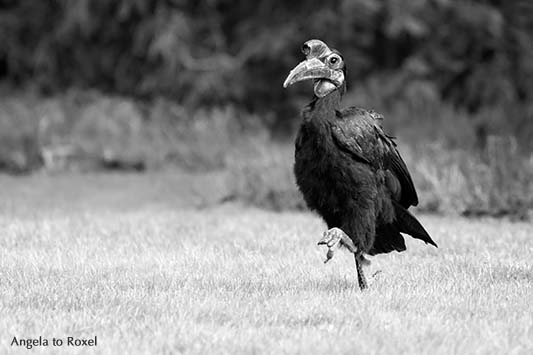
334,238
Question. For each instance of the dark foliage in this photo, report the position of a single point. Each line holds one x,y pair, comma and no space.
475,54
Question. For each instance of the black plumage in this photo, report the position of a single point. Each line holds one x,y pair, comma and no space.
349,170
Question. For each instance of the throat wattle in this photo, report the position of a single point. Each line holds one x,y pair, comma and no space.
324,87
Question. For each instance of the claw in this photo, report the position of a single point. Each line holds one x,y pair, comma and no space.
333,239
329,255
325,238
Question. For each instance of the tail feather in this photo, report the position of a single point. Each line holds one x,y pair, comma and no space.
408,224
388,238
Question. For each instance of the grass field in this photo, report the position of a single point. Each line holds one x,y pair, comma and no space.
142,263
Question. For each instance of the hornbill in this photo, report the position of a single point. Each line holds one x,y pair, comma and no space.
348,169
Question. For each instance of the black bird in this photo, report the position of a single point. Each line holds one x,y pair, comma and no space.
348,169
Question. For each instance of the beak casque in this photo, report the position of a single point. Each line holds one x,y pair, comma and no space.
315,48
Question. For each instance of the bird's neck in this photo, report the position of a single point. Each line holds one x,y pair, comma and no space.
323,107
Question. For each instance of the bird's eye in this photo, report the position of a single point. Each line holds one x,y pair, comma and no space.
334,59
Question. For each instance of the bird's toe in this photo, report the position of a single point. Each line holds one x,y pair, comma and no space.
332,238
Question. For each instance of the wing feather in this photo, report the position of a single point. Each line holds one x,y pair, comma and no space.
359,133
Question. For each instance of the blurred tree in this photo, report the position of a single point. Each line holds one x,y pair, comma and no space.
474,54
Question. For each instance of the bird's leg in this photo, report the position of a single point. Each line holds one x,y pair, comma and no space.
359,260
334,238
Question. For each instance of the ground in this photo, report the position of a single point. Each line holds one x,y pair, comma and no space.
148,265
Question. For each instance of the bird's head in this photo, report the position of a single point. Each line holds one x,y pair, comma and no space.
322,64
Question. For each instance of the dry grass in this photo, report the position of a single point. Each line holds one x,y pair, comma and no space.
496,182
88,130
84,130
163,278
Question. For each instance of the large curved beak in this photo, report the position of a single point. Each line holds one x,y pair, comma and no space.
311,68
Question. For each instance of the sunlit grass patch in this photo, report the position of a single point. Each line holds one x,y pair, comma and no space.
167,278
